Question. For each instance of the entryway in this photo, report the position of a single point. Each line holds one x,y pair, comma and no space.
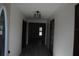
34,38
3,32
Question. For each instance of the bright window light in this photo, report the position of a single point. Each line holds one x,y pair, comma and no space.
40,33
40,28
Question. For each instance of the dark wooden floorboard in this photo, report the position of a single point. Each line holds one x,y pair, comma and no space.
35,50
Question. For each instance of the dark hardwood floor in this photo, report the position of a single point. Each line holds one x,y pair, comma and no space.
35,49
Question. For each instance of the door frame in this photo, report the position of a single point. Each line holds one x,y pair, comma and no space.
6,30
36,21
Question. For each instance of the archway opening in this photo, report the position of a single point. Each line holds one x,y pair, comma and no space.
3,32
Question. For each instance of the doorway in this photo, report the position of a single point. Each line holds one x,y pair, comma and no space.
3,32
76,32
24,28
36,33
36,39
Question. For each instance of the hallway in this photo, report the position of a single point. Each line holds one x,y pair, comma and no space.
48,29
36,49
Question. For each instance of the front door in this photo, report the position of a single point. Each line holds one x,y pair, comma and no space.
36,33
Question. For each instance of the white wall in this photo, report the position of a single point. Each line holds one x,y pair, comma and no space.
64,30
15,30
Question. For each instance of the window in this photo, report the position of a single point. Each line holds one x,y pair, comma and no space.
40,31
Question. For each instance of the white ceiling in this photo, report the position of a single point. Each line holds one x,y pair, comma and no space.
46,9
